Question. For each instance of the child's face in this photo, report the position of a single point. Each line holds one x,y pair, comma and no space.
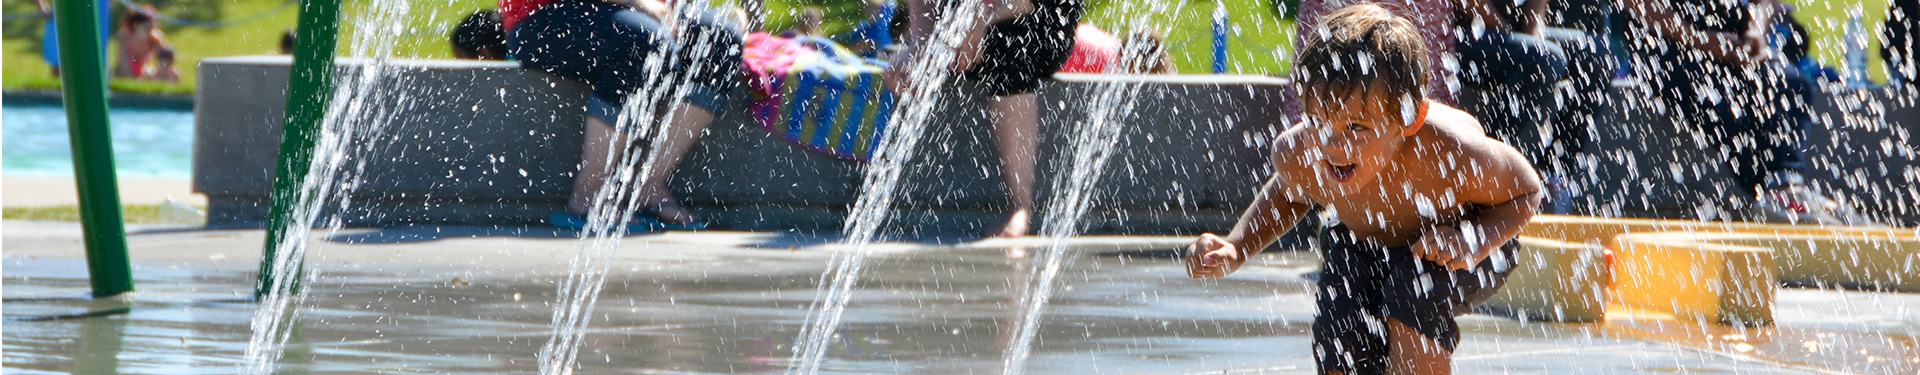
1358,139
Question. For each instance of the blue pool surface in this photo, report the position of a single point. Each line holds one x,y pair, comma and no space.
146,143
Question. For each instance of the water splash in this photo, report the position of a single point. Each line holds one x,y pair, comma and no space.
925,78
1092,145
647,114
356,114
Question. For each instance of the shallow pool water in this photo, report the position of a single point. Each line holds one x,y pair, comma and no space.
477,300
146,143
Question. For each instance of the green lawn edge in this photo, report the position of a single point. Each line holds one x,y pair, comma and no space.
133,213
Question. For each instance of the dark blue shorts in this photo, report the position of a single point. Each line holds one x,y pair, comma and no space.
1362,285
608,47
1018,54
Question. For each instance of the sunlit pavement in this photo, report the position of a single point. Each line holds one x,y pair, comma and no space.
478,300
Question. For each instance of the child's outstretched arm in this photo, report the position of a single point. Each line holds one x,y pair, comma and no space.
1270,216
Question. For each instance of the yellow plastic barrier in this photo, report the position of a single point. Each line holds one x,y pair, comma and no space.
1677,273
1557,281
1720,270
1886,263
1586,228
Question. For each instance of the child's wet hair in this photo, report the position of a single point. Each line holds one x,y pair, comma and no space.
1360,49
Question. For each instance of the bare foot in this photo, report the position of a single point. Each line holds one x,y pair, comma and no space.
1016,252
583,214
669,211
1016,224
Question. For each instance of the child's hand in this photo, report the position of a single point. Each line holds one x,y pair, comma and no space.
1446,245
1213,257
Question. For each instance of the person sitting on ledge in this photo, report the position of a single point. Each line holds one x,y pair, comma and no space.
1425,205
1012,46
607,44
1509,58
1711,64
480,37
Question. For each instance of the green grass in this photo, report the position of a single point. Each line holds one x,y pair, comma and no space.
1827,25
424,37
23,67
1250,51
1256,48
147,87
135,214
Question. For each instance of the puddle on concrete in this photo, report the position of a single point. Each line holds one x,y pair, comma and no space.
715,303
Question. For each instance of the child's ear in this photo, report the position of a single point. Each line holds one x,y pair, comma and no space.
1418,119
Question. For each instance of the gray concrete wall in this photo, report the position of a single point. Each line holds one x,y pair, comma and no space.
1190,158
1188,161
1650,163
454,155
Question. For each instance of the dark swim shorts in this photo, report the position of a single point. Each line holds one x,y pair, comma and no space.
1362,285
608,46
1019,53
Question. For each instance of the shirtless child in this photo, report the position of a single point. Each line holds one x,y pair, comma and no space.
1426,205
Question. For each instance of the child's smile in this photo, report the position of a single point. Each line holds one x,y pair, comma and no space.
1341,172
1355,142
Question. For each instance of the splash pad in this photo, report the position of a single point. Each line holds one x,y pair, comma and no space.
470,299
476,300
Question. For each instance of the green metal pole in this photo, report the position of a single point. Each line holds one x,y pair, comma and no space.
84,79
308,90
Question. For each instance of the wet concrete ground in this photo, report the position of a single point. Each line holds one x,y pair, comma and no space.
478,300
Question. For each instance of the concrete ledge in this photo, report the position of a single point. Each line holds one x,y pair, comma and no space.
1194,146
489,143
1556,281
1677,274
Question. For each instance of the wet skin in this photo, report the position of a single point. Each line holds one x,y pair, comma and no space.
1392,189
1442,187
1389,188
